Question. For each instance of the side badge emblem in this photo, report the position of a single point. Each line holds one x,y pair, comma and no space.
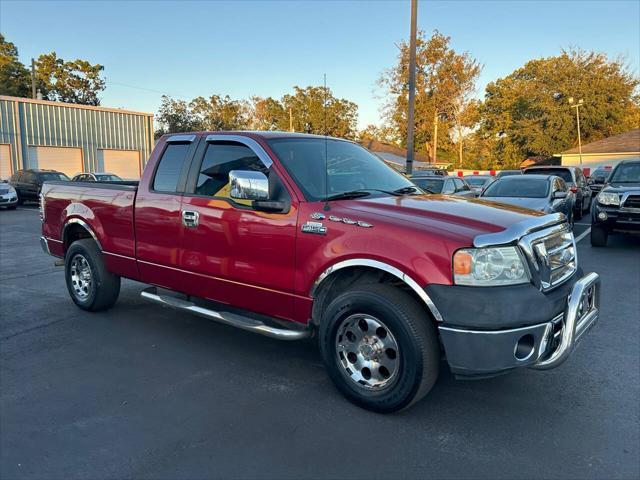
314,227
317,216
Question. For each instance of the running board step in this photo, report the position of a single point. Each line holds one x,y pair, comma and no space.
228,318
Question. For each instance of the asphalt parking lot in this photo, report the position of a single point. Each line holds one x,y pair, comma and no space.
141,391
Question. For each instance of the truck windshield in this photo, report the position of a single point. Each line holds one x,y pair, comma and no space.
52,176
349,167
626,173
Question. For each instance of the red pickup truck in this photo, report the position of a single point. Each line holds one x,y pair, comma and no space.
292,235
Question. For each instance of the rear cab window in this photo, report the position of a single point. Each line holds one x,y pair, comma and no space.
170,167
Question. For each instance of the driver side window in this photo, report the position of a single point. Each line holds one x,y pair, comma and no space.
449,187
219,159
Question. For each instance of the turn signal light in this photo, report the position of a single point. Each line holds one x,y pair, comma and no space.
574,189
462,263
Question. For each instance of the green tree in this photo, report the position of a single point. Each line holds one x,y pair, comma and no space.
527,113
76,81
219,113
14,77
174,116
305,109
445,84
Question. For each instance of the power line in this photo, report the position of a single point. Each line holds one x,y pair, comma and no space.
111,82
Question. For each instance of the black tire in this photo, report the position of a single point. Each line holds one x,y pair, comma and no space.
577,211
418,353
598,236
12,207
102,288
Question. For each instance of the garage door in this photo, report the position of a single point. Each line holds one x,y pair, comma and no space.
124,163
5,162
62,159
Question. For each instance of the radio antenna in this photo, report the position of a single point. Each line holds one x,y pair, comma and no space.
326,148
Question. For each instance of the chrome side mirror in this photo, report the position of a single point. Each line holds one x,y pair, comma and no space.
248,185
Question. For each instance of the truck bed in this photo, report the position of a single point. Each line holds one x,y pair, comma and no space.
107,208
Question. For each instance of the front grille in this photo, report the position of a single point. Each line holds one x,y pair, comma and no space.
632,201
553,255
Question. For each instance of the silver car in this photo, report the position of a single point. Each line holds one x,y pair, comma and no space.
544,193
8,196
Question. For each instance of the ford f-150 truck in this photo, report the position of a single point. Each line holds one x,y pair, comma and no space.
293,235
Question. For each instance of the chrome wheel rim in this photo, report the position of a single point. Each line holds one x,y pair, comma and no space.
81,277
367,351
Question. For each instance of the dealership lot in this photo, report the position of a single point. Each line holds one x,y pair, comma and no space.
142,391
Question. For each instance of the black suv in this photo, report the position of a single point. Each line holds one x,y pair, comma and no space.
575,180
29,182
617,206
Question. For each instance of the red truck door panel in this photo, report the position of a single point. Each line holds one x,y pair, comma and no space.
158,218
234,254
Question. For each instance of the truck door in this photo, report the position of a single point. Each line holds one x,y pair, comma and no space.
158,216
232,253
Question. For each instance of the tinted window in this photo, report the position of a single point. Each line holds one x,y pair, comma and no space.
108,178
430,184
477,181
170,167
449,187
563,173
29,177
518,187
626,173
219,159
347,166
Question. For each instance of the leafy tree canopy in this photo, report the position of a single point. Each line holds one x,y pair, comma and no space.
14,77
528,113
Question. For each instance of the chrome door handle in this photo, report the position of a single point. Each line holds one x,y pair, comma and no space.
190,219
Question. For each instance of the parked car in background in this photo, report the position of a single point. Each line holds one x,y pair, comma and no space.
478,182
8,196
428,172
576,181
28,183
544,193
617,206
598,178
444,185
507,173
96,177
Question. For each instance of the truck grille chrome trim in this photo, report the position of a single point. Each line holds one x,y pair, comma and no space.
228,318
552,254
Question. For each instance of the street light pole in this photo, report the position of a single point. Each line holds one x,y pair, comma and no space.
577,107
412,85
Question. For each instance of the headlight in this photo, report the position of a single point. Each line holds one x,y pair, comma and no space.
488,267
608,198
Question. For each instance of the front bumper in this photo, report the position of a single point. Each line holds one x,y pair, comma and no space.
478,352
8,200
616,219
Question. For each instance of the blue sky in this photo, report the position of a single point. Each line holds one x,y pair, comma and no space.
244,48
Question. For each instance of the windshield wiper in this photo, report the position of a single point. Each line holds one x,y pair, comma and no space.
348,195
405,190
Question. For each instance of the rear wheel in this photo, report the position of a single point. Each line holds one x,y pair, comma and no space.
91,286
598,236
380,347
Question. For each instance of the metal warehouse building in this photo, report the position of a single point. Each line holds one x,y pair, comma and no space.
72,138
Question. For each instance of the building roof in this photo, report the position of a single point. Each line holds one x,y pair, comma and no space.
73,105
628,142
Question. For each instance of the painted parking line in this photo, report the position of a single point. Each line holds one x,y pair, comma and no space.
583,234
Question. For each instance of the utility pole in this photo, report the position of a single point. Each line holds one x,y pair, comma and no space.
33,79
290,120
577,107
412,85
435,137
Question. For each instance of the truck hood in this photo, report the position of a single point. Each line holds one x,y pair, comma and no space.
622,188
447,216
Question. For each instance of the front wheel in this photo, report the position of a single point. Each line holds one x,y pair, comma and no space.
91,286
380,347
598,236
